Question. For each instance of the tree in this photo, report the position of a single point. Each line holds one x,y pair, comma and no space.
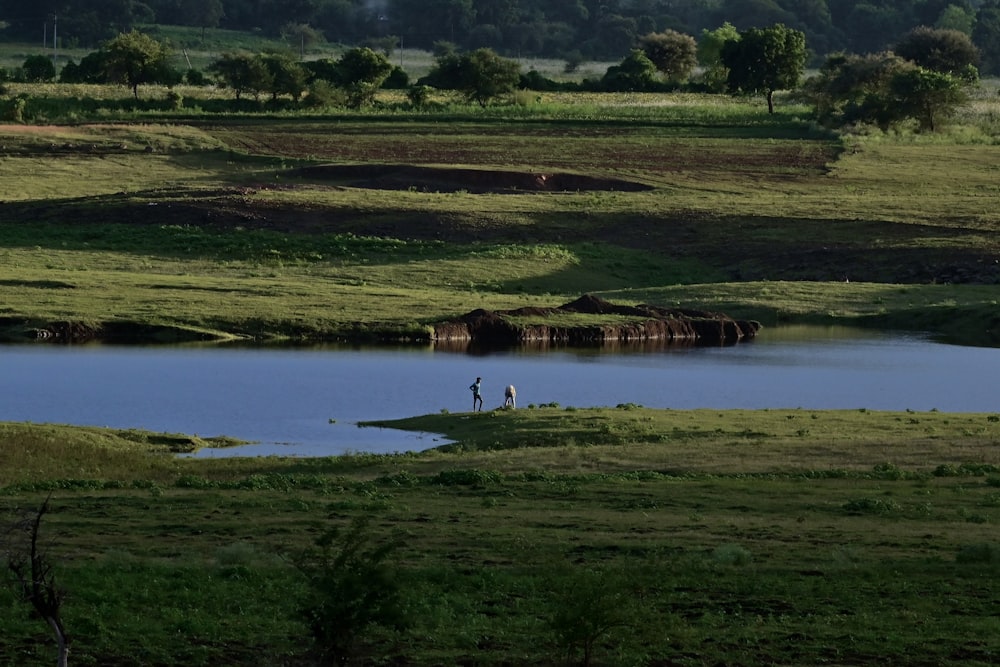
927,95
134,58
92,68
361,72
854,89
242,72
635,73
986,36
287,77
203,13
710,45
481,75
486,76
883,89
956,18
940,50
764,60
35,579
675,54
38,69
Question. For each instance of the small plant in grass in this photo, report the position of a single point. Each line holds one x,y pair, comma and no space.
732,554
354,590
871,506
588,607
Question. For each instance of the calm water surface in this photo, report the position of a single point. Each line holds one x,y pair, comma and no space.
285,399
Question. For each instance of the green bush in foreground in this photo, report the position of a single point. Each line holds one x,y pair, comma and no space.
353,590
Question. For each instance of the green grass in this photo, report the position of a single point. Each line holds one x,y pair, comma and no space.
724,537
790,218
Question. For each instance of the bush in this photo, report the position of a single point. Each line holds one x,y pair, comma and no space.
589,607
732,554
419,95
352,590
175,100
195,77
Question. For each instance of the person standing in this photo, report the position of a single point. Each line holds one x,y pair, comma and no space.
477,396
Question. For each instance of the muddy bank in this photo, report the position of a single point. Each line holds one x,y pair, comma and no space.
16,330
651,323
643,324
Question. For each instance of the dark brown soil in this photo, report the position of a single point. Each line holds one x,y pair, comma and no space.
476,181
651,323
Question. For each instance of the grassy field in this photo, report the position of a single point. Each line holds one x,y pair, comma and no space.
547,536
206,224
685,538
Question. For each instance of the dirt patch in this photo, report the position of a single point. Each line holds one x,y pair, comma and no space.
453,179
9,128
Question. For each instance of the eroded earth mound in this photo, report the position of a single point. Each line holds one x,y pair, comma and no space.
650,323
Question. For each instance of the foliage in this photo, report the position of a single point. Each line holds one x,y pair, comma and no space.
854,89
485,76
591,606
135,58
361,72
884,90
522,28
636,73
286,75
715,74
481,76
940,50
674,54
352,588
418,95
38,69
92,68
765,60
926,95
986,36
242,72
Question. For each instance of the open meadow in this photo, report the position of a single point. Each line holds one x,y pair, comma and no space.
555,535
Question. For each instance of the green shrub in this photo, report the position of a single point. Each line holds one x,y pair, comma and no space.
353,589
471,477
418,95
587,609
871,506
732,554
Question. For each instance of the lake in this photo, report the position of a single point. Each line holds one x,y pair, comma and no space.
307,401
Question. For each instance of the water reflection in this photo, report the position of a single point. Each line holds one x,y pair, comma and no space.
307,401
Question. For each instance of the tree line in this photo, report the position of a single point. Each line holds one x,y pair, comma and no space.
924,78
566,29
